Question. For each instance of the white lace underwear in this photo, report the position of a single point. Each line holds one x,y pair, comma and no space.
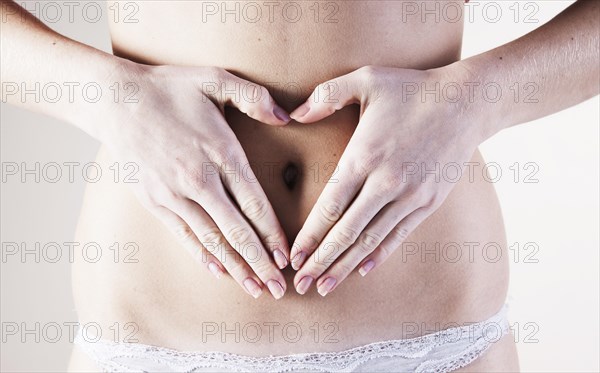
443,351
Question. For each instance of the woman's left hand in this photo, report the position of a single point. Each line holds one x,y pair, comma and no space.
406,154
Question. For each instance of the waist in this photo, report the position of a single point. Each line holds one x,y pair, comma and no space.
452,269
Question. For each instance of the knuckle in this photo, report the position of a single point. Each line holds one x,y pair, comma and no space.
362,168
223,155
327,86
216,74
239,234
400,233
211,78
367,164
183,232
376,159
369,241
331,211
211,237
345,236
329,92
389,184
255,99
367,73
195,177
254,208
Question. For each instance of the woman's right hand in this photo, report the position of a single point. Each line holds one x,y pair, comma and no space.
177,134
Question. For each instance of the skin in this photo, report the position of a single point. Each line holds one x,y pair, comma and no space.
371,210
193,203
187,198
455,292
360,221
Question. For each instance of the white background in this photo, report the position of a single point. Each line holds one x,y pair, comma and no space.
554,301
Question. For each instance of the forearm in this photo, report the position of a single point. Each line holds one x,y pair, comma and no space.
548,70
46,72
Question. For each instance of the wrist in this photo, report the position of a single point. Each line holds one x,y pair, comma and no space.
112,86
466,86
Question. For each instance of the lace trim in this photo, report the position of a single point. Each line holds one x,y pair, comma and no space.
107,353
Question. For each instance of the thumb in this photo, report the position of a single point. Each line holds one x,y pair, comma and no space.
330,97
255,101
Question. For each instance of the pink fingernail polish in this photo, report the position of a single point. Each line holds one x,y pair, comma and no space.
365,268
215,270
298,259
252,287
280,259
275,288
304,284
281,114
327,286
300,111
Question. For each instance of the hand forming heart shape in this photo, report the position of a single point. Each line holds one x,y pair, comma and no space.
358,221
382,193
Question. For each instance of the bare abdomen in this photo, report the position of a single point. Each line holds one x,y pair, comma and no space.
435,279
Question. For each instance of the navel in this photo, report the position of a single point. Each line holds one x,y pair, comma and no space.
290,175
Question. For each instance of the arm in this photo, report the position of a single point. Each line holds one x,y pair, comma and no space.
174,130
561,59
378,200
34,54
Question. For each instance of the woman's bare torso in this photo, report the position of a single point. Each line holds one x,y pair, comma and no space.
174,302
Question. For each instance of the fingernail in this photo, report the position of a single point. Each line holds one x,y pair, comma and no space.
281,114
215,270
275,288
301,111
280,259
326,286
365,268
252,287
298,259
304,284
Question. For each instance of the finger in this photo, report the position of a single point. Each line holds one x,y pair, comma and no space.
213,240
188,239
331,96
250,98
393,240
254,204
329,208
365,207
373,235
241,237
